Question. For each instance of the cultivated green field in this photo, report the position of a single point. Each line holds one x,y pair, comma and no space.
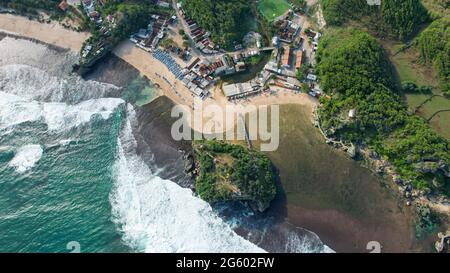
272,9
440,122
408,68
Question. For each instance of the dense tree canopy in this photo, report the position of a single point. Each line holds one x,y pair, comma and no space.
337,12
31,6
400,17
434,47
355,62
403,16
222,18
355,72
243,175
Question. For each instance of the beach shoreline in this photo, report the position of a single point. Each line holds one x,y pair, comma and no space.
55,35
181,95
51,33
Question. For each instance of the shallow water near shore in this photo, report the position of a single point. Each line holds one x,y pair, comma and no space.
86,182
105,175
334,196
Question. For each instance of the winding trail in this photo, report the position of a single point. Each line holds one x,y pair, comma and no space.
437,112
425,101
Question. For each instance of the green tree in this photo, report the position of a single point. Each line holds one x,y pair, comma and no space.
222,18
354,71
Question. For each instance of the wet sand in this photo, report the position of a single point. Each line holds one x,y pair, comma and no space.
321,190
344,233
113,70
155,144
334,196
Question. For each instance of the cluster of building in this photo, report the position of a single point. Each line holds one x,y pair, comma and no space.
182,53
311,80
221,66
291,55
200,36
240,90
314,36
196,79
286,82
287,31
200,73
149,38
289,59
105,27
89,7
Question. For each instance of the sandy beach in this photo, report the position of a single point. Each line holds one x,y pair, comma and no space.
155,71
144,62
177,92
305,182
51,33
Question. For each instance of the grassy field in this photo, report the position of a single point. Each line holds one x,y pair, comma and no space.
441,124
272,9
408,68
414,100
441,121
437,7
434,105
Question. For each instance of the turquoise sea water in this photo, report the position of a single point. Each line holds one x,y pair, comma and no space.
70,172
140,92
65,196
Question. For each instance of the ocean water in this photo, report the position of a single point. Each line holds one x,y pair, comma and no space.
70,174
69,170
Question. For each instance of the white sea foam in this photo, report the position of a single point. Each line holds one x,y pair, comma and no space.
65,142
36,84
36,72
157,215
26,157
308,243
58,116
21,51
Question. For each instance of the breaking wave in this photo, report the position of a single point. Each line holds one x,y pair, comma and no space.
20,51
152,214
157,215
26,157
15,110
310,243
36,84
